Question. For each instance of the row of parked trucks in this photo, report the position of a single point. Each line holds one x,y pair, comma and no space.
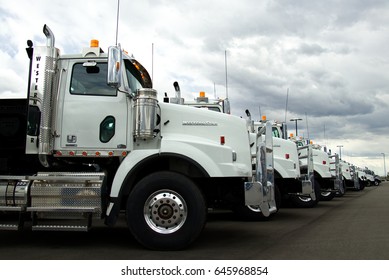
331,174
92,142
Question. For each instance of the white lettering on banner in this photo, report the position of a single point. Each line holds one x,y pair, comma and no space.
34,86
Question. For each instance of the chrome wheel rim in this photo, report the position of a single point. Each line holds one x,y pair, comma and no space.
254,208
165,211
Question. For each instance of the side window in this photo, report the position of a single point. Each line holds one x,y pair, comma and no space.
107,129
275,132
89,79
33,122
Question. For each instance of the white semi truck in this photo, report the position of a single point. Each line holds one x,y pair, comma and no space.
363,182
294,179
291,185
249,212
328,183
92,142
373,178
349,176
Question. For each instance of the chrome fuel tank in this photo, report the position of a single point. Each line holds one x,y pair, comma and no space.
14,192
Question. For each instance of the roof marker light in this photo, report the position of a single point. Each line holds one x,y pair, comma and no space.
94,43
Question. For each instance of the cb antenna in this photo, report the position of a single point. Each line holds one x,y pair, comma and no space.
286,106
306,120
117,22
225,62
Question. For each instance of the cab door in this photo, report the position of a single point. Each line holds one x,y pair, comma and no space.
94,115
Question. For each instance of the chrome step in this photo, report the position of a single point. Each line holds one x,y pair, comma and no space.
9,227
18,223
60,228
62,209
12,208
52,224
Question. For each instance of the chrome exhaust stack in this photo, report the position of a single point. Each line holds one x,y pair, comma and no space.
45,140
49,36
177,99
42,89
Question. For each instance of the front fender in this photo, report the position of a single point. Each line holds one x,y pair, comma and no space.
286,169
129,162
217,160
322,171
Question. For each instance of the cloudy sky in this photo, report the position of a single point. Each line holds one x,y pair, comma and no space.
326,62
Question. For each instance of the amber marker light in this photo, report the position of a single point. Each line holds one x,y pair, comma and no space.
94,43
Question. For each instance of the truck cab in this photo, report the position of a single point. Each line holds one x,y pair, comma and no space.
258,140
370,177
202,101
328,183
294,180
91,141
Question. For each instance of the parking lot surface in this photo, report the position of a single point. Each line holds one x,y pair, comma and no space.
354,226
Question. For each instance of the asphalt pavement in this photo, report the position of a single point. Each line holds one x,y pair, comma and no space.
352,227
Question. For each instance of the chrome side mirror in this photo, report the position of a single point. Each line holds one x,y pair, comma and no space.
115,61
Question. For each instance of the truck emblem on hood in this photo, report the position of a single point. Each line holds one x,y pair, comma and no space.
199,123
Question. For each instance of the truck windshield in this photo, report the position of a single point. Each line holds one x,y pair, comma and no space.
133,76
137,75
299,144
210,107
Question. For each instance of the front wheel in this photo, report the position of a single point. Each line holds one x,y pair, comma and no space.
306,201
327,195
166,211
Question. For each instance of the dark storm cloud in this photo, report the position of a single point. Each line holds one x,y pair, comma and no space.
332,55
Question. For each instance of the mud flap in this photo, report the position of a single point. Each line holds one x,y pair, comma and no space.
338,184
308,189
257,194
357,185
308,182
261,192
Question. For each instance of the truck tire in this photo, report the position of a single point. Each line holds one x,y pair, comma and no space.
304,201
327,195
166,211
362,185
253,213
